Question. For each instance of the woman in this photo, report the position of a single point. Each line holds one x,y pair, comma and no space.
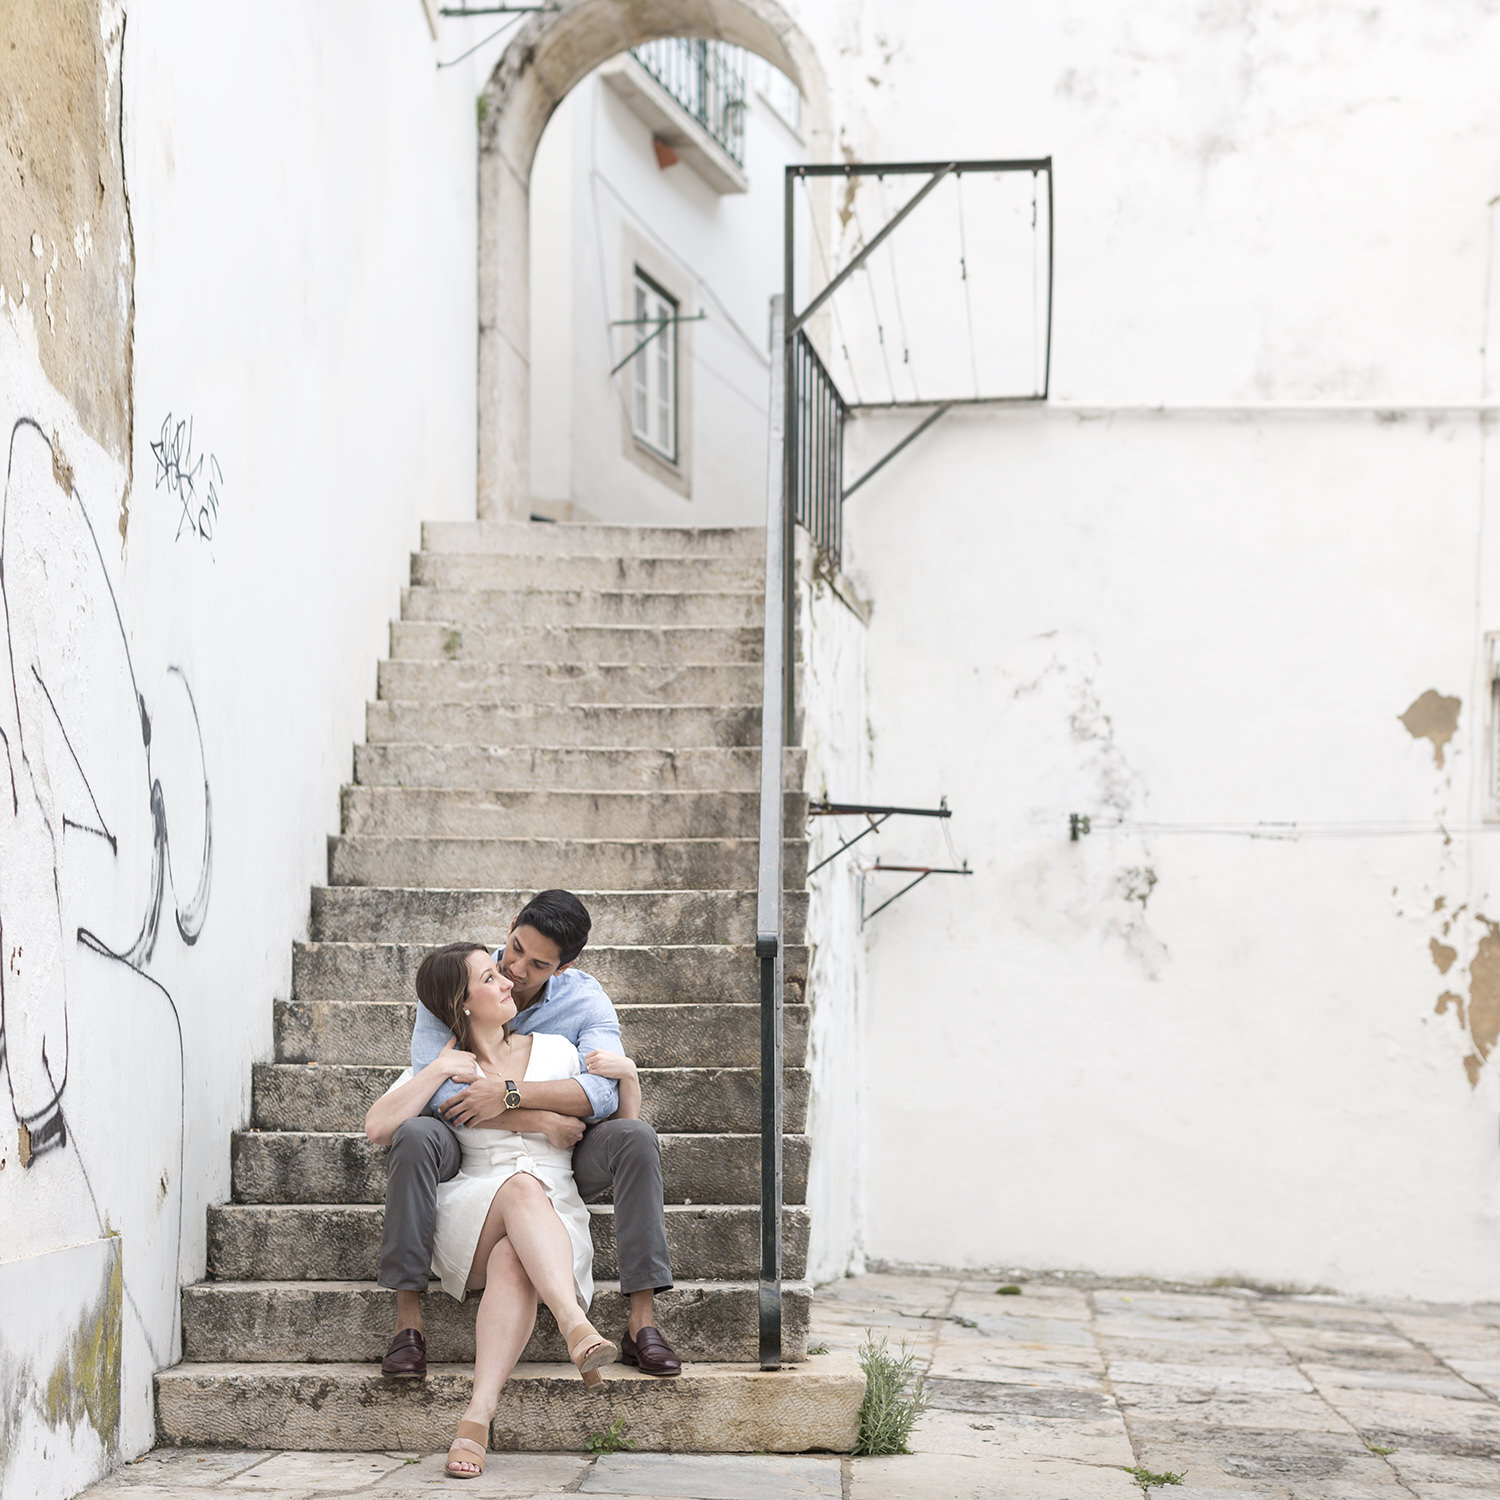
511,1223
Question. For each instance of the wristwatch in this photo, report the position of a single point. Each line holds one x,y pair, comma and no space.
512,1094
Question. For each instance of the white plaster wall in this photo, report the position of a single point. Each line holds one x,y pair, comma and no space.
301,182
1186,1053
833,694
726,250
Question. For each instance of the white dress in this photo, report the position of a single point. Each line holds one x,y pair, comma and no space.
490,1158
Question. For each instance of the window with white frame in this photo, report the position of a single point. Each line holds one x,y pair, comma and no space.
654,411
780,93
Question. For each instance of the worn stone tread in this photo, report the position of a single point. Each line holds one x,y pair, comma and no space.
305,1166
351,1408
723,1033
341,1241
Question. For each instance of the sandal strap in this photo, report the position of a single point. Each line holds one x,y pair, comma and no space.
467,1443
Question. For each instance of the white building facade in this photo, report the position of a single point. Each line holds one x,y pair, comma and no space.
1229,594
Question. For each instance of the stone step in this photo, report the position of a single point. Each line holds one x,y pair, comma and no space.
335,1096
605,725
709,1408
613,644
300,1166
367,914
636,976
492,608
585,539
569,768
378,1033
614,864
484,570
351,1320
728,685
447,813
341,1241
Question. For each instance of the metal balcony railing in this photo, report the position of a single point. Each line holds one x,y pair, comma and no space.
707,79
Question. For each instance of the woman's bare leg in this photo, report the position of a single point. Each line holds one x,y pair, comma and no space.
542,1245
522,1213
507,1314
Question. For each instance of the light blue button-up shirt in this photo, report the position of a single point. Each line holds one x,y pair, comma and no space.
573,1005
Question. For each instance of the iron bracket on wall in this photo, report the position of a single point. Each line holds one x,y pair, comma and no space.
875,814
496,10
662,324
920,871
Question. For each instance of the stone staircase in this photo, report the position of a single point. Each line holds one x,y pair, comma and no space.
570,705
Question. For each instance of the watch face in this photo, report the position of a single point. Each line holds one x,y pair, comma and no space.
512,1098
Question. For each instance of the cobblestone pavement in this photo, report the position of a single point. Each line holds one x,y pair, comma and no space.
1050,1394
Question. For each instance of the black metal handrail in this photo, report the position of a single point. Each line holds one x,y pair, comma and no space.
816,463
707,79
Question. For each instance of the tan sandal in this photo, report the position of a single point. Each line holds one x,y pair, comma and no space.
472,1436
589,1350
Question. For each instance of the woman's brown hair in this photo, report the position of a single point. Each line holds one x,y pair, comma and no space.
443,986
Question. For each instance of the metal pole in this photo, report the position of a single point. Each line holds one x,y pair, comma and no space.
788,513
769,945
1047,369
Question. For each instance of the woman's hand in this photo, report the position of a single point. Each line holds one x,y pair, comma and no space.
461,1067
610,1065
617,1065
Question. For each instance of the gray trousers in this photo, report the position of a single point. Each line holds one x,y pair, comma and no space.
623,1155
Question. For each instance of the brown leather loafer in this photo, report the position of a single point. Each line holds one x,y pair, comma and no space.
651,1352
407,1354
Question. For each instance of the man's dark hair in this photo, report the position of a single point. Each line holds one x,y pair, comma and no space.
560,916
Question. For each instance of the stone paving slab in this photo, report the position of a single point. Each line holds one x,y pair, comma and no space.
729,1476
1049,1394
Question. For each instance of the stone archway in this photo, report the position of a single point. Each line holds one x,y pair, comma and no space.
549,55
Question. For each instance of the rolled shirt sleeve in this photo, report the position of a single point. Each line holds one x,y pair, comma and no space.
428,1037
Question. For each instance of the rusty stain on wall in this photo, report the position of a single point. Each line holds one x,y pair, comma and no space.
1442,955
66,249
1433,717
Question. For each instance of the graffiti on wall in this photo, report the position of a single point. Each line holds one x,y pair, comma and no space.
106,815
194,480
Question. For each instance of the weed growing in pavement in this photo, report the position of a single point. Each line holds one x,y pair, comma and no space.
1380,1448
894,1398
817,1348
1007,1291
611,1440
1148,1480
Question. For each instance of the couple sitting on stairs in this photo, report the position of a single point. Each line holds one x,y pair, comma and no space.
521,1051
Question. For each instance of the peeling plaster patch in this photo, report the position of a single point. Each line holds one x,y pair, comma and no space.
62,470
1472,1065
1484,997
1433,717
23,1145
1447,999
1442,955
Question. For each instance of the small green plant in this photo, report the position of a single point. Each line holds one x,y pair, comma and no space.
817,1348
452,644
894,1398
1380,1449
1007,1291
611,1440
1148,1479
481,108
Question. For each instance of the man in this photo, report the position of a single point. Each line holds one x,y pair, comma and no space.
624,1155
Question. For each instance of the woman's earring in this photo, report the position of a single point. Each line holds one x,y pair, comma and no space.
466,1010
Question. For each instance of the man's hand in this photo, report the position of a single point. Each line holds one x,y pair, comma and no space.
482,1100
564,1131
